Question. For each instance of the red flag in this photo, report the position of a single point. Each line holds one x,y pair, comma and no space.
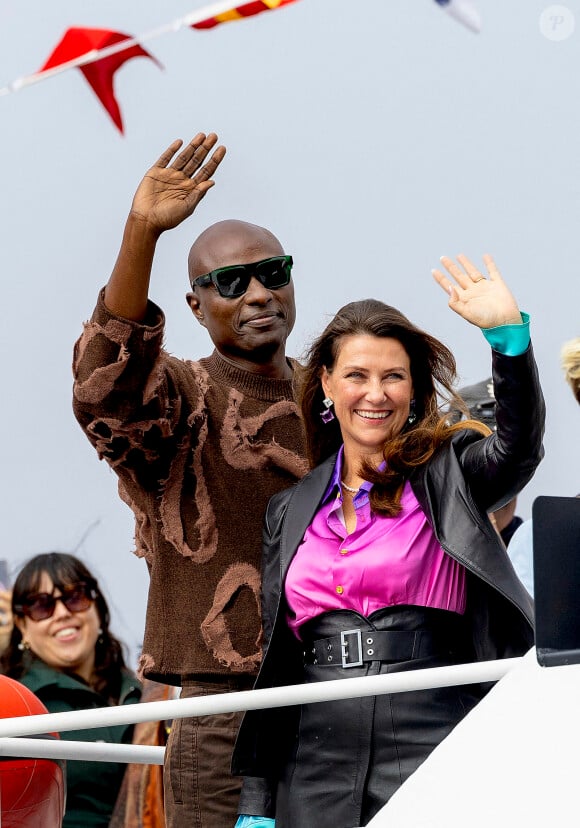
240,11
99,74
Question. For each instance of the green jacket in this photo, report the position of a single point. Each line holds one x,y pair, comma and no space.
92,787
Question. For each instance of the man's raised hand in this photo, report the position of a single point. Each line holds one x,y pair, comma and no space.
173,187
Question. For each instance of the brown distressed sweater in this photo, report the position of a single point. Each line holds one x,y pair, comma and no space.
199,448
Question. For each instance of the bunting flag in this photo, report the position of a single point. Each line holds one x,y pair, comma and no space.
241,11
464,11
99,74
98,53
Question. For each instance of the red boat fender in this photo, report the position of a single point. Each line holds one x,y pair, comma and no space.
32,791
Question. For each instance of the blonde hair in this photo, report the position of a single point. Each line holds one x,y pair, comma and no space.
570,360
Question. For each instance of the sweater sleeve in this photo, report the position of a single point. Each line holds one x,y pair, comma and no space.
127,393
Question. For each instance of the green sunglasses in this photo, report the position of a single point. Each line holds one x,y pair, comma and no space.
233,281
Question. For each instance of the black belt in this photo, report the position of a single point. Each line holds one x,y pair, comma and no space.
351,648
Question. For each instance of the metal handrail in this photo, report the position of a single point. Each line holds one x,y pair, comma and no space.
17,747
428,678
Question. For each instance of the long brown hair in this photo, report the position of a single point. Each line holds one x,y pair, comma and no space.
63,570
433,372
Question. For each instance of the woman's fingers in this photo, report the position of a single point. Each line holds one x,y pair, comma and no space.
492,269
468,274
474,274
442,280
465,278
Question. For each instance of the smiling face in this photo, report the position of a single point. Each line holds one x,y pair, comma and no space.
66,640
251,329
370,384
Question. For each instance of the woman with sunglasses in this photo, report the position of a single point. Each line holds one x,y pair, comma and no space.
383,558
62,649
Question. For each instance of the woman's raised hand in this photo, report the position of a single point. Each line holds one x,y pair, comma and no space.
482,299
173,187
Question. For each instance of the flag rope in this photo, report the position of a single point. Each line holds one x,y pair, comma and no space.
189,19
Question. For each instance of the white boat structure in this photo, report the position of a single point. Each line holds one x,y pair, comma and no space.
511,762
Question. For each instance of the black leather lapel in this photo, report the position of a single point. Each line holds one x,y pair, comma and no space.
302,507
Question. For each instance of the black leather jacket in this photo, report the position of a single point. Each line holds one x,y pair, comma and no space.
463,481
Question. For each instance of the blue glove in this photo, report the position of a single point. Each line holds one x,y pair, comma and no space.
245,821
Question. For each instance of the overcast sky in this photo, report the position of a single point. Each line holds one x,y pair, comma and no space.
372,136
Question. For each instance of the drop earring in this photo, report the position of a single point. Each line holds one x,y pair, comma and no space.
412,418
23,645
327,416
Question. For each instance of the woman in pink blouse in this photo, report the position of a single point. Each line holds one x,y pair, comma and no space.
383,558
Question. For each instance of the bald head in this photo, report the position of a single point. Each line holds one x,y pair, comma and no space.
231,242
251,328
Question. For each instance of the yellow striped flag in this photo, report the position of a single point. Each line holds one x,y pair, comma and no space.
242,10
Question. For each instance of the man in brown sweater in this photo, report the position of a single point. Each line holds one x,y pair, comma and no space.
199,448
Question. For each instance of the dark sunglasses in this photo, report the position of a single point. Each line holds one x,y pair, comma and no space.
233,281
41,605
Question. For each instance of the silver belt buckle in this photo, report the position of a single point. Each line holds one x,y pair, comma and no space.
344,648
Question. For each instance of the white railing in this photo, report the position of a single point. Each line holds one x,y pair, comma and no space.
431,677
16,747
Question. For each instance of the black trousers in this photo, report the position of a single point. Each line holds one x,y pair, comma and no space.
351,755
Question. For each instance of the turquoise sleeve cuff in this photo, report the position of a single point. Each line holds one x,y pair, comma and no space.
510,340
245,821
